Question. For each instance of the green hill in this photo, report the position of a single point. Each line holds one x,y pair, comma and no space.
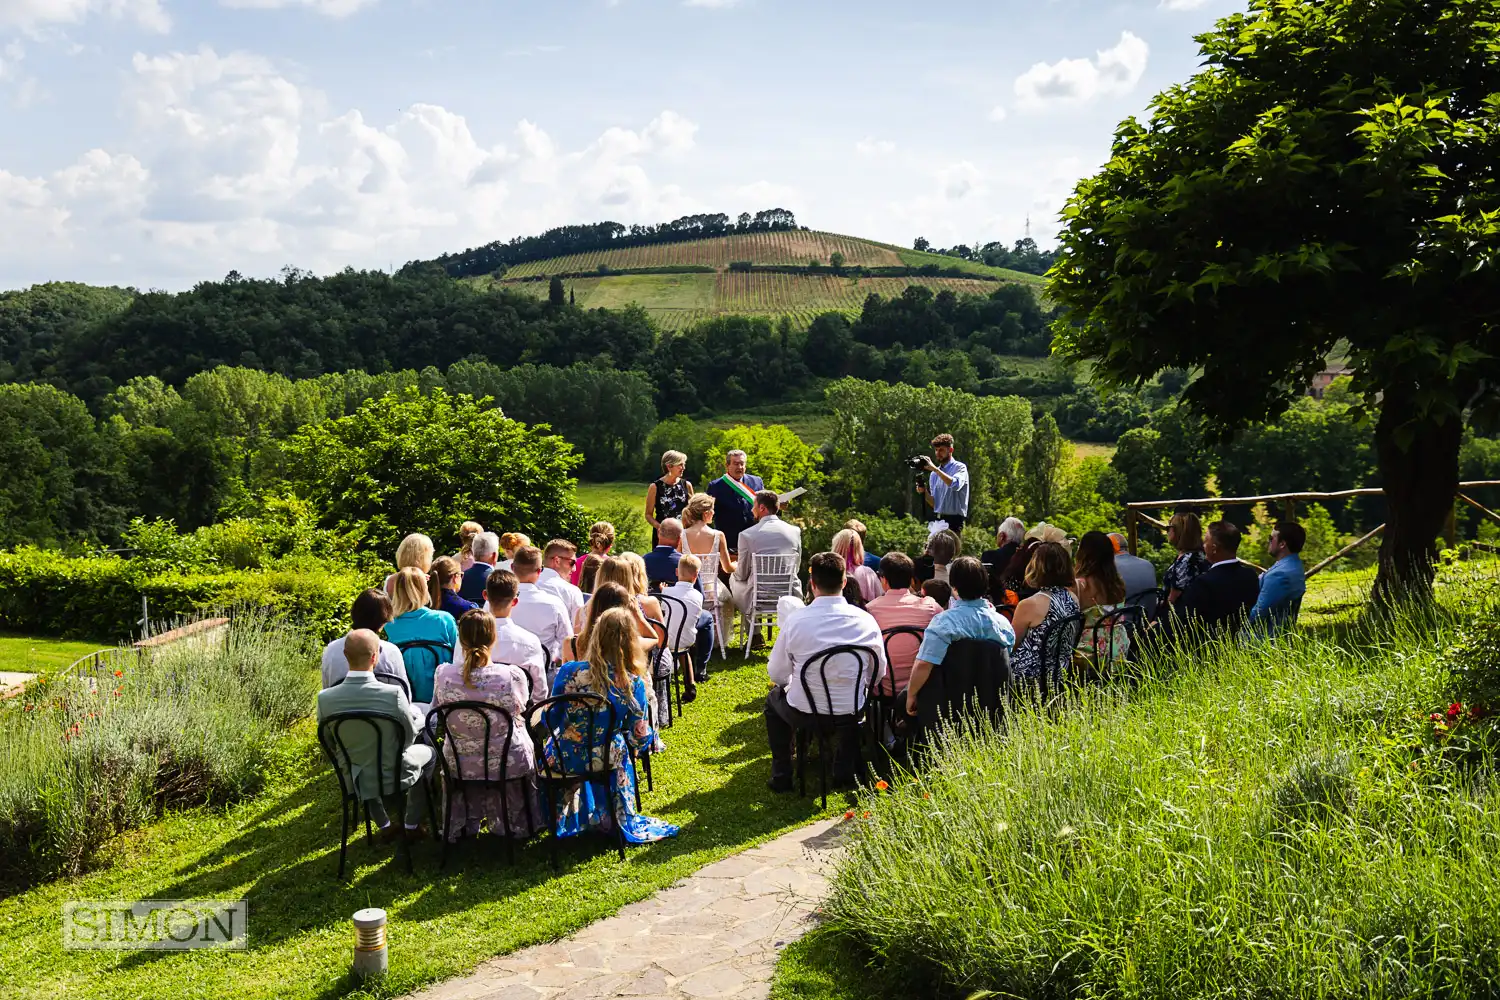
711,280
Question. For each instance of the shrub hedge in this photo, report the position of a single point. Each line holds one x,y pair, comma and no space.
45,593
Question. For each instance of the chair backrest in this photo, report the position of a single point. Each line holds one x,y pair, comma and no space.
422,658
775,574
1112,635
815,679
580,711
661,656
675,611
391,679
1059,640
974,678
1147,599
492,720
886,687
352,764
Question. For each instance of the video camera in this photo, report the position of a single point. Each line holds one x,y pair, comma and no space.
918,464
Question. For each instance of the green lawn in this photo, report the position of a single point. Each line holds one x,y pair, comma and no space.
596,495
279,851
813,428
34,655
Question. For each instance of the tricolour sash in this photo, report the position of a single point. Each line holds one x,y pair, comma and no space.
744,491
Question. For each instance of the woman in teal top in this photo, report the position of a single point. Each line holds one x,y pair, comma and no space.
415,622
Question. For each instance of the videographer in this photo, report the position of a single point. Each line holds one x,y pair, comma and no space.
947,489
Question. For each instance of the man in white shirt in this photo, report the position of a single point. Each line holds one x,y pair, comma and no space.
513,644
557,566
537,611
827,622
695,630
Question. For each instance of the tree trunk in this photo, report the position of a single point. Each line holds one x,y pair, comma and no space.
1421,479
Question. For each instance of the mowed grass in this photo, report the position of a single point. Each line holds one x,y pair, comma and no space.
280,852
38,655
596,496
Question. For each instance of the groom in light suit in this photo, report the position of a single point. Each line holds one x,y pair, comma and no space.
769,534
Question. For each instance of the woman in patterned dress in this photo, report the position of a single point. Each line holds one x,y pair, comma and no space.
1051,574
669,495
1185,532
472,677
1100,591
612,672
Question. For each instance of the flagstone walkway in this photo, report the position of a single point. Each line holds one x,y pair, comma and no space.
715,934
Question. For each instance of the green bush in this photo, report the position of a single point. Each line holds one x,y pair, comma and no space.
45,593
1251,820
95,754
1474,661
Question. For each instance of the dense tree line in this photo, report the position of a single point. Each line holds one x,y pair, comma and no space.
1024,256
498,256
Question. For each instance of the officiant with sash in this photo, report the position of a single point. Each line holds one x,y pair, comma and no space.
734,499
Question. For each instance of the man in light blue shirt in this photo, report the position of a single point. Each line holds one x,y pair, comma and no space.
948,485
1281,586
970,617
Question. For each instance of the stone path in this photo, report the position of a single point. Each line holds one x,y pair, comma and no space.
11,683
715,934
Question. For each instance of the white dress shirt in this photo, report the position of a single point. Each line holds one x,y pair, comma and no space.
558,586
686,632
519,648
541,614
823,624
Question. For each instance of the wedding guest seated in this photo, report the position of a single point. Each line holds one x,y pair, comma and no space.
1050,580
466,535
1185,532
557,563
473,677
601,540
970,617
940,592
614,595
370,612
1283,585
513,644
1220,599
1007,540
1139,575
942,549
769,535
1014,577
587,577
510,543
827,622
696,633
442,585
661,562
415,621
406,763
858,527
847,545
486,549
415,551
537,611
898,606
1100,592
612,671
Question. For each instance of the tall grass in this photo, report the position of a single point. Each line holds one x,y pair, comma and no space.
1249,821
90,755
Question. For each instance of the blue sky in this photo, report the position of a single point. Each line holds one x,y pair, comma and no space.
156,143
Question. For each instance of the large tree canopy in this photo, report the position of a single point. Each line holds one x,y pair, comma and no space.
1328,177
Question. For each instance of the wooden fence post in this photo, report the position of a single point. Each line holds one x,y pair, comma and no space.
1132,529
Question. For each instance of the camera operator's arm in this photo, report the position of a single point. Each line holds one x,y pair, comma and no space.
922,489
950,480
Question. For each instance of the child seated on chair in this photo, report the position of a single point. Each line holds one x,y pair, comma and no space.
700,643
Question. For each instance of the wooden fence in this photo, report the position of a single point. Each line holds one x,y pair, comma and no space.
1136,513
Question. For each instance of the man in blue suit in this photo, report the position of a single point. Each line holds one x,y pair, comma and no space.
734,499
1281,586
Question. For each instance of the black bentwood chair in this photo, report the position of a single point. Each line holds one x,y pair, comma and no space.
491,763
675,611
885,700
1130,618
1059,642
331,739
598,736
661,670
974,679
822,722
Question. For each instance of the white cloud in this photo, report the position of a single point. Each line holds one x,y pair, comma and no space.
231,165
959,180
1183,4
874,147
1111,72
148,14
332,8
998,113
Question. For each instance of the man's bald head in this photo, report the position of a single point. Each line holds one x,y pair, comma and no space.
361,649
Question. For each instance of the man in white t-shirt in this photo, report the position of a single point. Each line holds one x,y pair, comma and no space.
557,566
513,644
537,611
695,631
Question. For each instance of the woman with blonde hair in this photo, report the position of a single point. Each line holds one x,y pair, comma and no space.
668,496
1185,532
609,672
426,637
848,547
471,676
467,532
601,540
702,539
415,550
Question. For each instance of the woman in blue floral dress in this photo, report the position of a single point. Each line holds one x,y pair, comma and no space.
607,672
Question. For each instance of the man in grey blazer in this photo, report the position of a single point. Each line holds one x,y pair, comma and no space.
361,691
769,534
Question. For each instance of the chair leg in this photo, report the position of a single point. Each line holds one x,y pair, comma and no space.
369,827
801,745
609,804
650,781
552,821
432,823
638,807
344,830
823,766
405,845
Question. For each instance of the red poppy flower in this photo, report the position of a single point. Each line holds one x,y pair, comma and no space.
881,786
119,673
867,815
926,795
849,814
118,692
1455,710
